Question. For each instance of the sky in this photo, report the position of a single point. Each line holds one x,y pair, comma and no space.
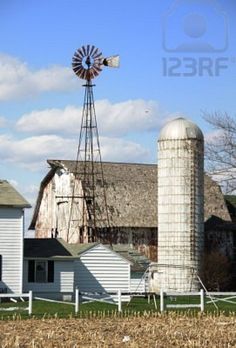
177,58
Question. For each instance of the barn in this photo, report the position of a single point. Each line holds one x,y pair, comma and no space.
12,206
131,191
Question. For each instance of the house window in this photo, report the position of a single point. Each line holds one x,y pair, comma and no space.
40,271
0,267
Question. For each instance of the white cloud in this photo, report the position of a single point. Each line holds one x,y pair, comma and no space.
129,116
51,120
113,119
17,80
31,189
3,121
32,152
120,150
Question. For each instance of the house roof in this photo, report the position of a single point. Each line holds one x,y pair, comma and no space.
9,197
78,249
54,248
44,248
139,261
131,193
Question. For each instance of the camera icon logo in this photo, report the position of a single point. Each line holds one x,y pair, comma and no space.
195,26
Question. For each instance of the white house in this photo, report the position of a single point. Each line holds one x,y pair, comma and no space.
100,269
54,268
12,206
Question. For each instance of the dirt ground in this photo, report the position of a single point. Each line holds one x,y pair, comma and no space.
161,331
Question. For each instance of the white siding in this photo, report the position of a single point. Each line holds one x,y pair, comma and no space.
137,285
63,279
100,269
11,248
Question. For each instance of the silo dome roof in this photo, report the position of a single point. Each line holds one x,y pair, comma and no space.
180,128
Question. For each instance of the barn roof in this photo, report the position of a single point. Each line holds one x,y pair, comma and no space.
131,192
9,197
217,224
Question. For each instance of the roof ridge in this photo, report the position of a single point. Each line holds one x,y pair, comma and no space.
104,162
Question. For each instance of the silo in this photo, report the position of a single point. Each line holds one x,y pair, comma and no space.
180,206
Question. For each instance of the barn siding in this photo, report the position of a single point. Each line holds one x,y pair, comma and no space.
55,206
63,279
11,248
100,269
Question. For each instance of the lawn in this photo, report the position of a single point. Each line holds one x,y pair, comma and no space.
137,306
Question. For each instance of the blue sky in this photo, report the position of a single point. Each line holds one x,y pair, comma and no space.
164,47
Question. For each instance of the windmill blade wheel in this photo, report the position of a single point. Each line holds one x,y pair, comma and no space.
87,62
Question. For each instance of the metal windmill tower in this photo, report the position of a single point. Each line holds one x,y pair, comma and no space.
87,63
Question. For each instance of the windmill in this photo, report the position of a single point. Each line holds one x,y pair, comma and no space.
87,63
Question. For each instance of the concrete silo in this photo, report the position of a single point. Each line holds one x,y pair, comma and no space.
180,206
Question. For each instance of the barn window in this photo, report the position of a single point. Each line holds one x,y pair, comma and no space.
0,267
40,271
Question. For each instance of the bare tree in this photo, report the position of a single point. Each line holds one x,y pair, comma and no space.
220,150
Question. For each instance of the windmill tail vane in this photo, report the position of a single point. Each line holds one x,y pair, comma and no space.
112,61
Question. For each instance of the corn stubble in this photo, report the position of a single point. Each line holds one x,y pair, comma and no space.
151,330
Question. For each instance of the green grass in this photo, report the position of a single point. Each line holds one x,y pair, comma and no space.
42,309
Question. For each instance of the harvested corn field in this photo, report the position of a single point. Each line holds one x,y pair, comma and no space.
172,330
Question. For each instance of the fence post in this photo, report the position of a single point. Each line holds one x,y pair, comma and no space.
202,300
162,301
30,302
76,301
119,300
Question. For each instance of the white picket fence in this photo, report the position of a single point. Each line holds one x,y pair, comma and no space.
204,298
86,297
118,297
109,297
164,305
21,296
105,297
227,297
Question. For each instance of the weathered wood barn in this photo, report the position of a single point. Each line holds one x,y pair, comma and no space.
12,206
131,191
